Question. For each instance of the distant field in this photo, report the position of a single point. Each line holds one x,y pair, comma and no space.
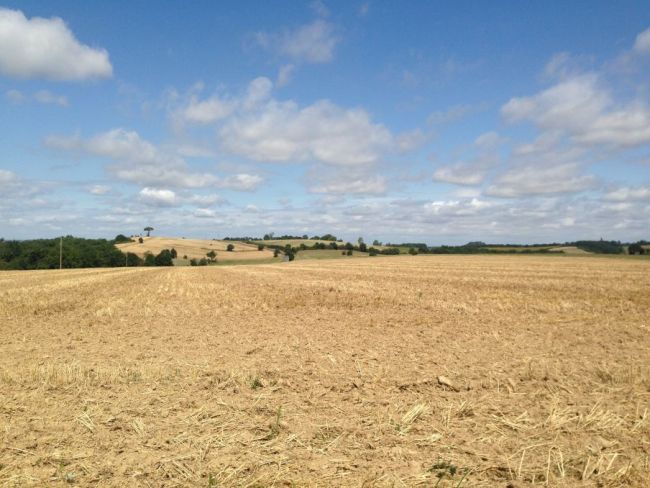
518,248
296,242
573,250
311,242
328,254
447,371
196,248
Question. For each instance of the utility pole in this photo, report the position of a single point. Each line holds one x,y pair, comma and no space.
61,253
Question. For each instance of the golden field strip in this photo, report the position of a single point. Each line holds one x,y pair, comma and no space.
404,371
196,248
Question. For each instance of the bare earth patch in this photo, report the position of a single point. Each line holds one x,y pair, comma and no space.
403,371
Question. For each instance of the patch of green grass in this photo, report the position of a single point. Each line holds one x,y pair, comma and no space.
275,427
212,481
446,469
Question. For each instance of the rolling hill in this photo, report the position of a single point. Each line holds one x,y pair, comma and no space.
195,248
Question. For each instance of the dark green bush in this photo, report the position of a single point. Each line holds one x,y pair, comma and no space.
164,258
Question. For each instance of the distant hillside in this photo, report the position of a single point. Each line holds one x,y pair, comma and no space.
195,248
569,250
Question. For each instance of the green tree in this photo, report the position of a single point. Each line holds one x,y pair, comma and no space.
120,238
260,247
601,247
149,259
212,255
174,253
635,249
133,259
140,240
148,230
164,258
230,248
44,253
363,247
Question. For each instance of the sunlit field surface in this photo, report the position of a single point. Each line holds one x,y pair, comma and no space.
196,248
403,371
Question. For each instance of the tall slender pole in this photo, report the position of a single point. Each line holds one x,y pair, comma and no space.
61,253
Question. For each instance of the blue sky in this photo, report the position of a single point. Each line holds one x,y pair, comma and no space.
399,121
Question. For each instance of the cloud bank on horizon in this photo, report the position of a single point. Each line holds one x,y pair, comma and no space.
422,124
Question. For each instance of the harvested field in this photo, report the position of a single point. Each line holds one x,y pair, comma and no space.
328,254
570,250
296,242
311,242
196,248
520,248
400,371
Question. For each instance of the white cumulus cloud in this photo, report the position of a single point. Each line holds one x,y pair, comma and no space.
313,43
642,43
626,193
7,177
284,75
373,185
474,170
137,160
323,132
207,111
44,96
158,197
585,112
46,48
99,189
542,178
241,182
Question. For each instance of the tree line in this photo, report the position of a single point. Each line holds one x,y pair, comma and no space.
77,253
98,253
